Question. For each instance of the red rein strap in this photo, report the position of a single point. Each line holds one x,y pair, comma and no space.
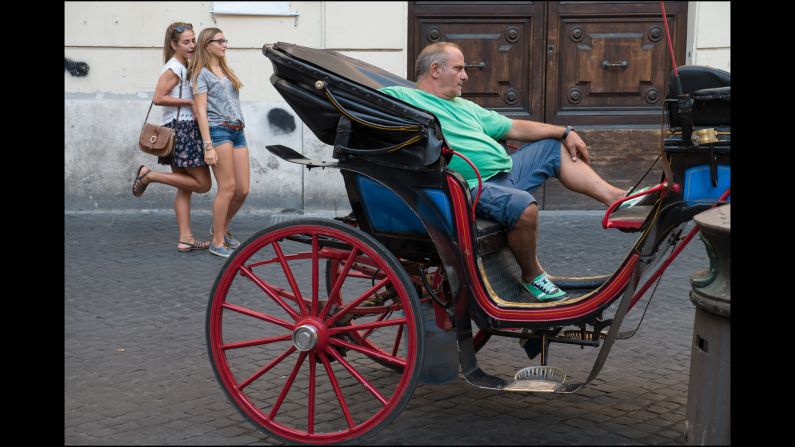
446,150
670,43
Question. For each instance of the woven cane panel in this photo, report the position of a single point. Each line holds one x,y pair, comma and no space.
504,276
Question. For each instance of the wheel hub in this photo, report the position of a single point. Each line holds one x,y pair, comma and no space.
305,337
310,334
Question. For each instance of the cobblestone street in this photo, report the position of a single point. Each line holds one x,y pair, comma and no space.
137,369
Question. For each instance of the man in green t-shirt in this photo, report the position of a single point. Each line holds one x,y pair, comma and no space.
507,180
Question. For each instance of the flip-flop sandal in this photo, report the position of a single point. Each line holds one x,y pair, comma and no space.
196,245
139,186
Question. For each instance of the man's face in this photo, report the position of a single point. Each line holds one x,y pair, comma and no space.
452,77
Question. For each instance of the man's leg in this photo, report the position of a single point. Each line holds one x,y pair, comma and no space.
535,162
580,177
517,211
522,242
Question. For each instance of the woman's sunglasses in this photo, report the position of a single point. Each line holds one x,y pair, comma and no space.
181,28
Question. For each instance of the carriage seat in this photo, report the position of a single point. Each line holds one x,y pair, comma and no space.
699,77
490,236
710,89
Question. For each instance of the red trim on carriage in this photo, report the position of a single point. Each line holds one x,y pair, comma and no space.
562,312
633,224
639,293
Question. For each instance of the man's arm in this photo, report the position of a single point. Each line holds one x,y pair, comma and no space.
524,130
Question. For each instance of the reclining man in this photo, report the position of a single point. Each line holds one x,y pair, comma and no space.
507,180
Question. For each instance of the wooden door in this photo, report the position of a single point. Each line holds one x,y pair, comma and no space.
608,63
503,47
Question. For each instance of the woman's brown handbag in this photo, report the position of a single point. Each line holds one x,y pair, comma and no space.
158,140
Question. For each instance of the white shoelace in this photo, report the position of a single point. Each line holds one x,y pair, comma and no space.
546,285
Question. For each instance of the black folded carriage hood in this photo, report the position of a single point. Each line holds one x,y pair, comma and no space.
354,85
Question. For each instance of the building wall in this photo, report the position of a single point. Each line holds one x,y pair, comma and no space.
709,34
121,44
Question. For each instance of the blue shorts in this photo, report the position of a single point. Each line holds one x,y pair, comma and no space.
223,134
506,195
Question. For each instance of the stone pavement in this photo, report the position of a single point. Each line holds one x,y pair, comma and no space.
137,371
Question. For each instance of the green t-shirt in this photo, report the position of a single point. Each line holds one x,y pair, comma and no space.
468,128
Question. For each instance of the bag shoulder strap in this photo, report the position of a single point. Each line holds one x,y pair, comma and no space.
153,103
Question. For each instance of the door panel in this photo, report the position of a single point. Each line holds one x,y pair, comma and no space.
503,47
608,63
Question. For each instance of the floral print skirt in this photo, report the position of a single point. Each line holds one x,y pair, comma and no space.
188,148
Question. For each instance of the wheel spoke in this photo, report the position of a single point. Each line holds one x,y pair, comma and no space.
261,341
370,352
315,269
286,294
258,315
290,278
387,313
372,310
311,416
361,303
270,291
287,386
265,369
356,302
397,340
356,375
358,327
334,384
334,295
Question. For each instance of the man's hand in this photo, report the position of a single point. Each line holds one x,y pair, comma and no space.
575,145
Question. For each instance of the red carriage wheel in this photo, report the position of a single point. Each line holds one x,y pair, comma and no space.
363,269
303,363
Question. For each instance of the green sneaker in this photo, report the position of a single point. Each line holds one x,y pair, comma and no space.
543,289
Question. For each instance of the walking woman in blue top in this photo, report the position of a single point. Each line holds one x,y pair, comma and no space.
216,92
189,173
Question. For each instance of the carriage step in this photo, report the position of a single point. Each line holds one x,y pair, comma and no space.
540,379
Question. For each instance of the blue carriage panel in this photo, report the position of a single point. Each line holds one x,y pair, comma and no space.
698,184
387,213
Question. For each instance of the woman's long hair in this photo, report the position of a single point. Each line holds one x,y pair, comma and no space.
202,58
173,36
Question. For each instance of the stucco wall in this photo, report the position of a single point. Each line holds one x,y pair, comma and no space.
121,45
709,34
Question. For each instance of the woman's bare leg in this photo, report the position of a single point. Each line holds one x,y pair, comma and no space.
242,182
191,179
182,201
224,171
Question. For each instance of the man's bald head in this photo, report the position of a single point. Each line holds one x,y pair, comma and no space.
435,52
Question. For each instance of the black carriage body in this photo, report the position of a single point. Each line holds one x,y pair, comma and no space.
407,199
390,155
401,197
385,189
702,170
414,219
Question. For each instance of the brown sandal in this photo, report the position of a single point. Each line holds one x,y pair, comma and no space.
195,245
139,186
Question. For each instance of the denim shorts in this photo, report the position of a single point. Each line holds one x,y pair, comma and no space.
506,195
222,134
